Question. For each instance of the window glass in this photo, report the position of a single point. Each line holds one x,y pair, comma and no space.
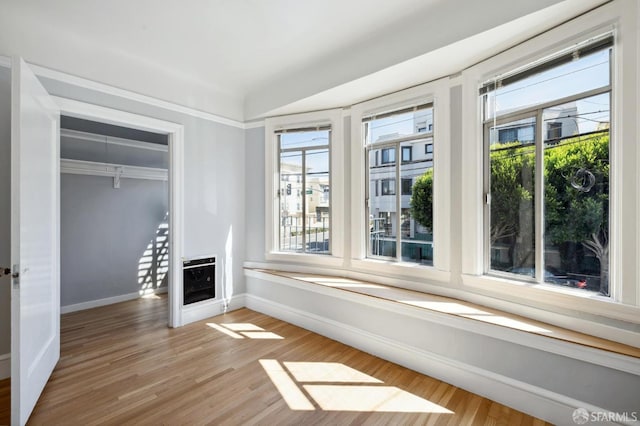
512,216
406,153
576,203
561,147
578,76
305,213
396,125
400,219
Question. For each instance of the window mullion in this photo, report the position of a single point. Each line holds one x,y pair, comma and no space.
304,201
398,190
539,199
487,199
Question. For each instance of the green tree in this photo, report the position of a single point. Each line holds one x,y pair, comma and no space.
512,189
421,202
576,191
577,198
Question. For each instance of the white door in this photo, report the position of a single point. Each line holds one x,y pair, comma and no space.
35,236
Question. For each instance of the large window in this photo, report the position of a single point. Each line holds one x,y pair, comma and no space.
400,221
547,139
304,176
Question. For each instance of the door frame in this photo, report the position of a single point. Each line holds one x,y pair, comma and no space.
87,111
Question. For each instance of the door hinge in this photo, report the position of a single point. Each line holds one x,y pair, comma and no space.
15,275
487,198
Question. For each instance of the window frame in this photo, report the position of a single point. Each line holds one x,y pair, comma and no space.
437,93
390,186
332,118
386,152
404,149
623,276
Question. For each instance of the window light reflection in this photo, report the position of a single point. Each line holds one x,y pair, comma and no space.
371,399
476,314
360,392
242,330
327,372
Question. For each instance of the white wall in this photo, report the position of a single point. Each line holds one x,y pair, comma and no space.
537,379
104,235
214,177
5,208
254,193
214,183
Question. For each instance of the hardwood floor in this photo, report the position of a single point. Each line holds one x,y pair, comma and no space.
120,364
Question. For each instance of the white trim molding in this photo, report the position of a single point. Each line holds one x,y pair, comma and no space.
549,406
62,77
621,18
106,301
211,308
438,93
111,140
175,131
337,182
374,325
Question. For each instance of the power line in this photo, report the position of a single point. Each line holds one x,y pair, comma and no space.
548,79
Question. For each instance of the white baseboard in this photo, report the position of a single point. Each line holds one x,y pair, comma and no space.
106,301
533,400
210,308
5,366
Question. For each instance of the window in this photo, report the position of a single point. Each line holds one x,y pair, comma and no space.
304,187
406,153
406,186
400,226
305,218
428,148
547,166
388,186
388,155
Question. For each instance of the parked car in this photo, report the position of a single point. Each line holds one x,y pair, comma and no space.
552,278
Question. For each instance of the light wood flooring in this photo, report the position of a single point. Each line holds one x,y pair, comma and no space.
120,365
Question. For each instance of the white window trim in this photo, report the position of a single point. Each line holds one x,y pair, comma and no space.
336,147
438,93
624,272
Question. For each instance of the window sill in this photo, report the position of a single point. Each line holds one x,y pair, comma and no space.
305,259
460,314
391,269
564,298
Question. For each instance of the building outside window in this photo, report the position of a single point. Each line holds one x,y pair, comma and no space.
394,231
428,148
305,211
388,186
406,153
547,165
388,155
407,184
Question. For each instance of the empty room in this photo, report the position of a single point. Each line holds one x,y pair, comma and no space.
319,212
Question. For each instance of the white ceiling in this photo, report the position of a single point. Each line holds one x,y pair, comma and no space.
249,58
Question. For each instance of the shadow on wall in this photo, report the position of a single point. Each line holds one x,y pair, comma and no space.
153,265
227,280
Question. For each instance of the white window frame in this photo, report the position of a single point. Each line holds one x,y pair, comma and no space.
624,178
334,119
436,92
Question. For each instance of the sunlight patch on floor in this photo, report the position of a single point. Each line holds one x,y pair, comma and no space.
242,330
333,372
370,399
293,396
297,383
